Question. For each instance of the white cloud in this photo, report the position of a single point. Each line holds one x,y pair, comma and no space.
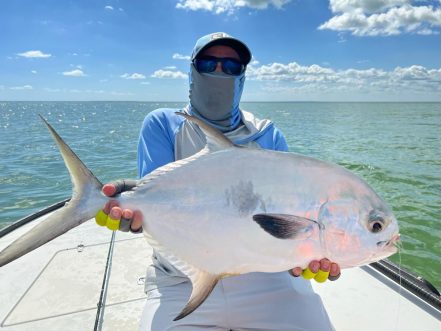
292,76
74,73
108,7
367,6
25,87
290,71
169,74
178,56
133,76
254,62
228,6
34,71
382,17
34,54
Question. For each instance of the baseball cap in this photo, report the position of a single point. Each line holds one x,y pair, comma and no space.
221,38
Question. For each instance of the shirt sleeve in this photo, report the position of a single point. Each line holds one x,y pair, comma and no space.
280,141
273,139
155,145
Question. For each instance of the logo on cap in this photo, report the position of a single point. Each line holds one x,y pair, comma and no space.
218,35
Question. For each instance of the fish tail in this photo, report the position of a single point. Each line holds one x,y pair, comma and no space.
86,200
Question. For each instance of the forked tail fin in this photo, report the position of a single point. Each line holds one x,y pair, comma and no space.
86,200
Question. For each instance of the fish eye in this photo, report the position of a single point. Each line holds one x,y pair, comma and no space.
376,222
376,226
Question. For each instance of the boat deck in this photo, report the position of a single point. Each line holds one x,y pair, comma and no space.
58,286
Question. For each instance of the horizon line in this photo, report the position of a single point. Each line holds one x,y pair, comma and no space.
248,101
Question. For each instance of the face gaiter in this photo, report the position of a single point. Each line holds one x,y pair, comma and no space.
215,98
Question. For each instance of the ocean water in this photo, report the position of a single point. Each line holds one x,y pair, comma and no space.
395,147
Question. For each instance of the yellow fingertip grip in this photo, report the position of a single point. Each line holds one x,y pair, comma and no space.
308,274
321,276
112,224
101,218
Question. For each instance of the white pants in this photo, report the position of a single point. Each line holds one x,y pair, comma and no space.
257,301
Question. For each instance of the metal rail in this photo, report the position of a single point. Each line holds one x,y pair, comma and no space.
103,296
419,286
11,227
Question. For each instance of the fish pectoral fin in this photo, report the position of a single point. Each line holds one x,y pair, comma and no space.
284,226
203,284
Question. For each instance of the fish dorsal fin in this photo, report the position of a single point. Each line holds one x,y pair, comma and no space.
203,284
285,226
216,140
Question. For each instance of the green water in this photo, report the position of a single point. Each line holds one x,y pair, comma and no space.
395,147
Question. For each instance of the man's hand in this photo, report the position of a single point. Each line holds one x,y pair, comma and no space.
114,217
319,270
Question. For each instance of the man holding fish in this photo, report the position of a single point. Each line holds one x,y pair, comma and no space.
236,217
252,301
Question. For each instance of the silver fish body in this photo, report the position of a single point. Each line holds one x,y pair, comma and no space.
232,210
214,198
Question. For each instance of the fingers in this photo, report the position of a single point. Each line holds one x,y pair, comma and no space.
103,214
136,226
109,190
114,188
335,272
323,272
131,221
115,218
127,213
319,270
119,186
311,271
296,272
101,218
126,218
314,266
109,205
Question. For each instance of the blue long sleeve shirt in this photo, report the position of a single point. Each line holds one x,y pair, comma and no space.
164,135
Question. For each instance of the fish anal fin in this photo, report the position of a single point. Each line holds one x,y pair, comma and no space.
203,284
284,226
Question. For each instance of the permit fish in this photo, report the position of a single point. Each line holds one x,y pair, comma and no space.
230,210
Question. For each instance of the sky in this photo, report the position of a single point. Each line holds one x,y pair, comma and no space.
138,50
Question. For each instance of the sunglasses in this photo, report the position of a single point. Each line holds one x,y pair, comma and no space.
207,64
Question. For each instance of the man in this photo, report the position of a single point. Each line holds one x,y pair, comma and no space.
255,301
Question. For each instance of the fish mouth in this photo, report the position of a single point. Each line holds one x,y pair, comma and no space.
393,243
395,239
